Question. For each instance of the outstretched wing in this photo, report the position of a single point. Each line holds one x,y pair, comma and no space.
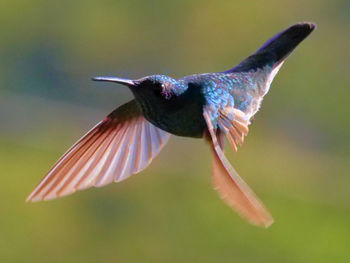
124,143
276,49
230,186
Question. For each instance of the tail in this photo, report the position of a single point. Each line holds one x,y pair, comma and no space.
276,49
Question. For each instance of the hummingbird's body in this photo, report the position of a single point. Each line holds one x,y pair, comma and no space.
182,113
211,105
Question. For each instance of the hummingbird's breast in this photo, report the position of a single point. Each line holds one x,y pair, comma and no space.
180,115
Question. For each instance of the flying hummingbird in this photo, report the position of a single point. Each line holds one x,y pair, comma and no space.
210,106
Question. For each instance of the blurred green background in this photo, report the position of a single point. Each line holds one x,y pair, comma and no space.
296,156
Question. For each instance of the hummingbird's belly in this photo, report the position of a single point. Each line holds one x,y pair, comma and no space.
187,126
185,120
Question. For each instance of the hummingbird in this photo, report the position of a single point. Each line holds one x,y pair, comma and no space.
211,106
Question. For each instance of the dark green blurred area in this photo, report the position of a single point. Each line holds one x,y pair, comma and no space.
296,156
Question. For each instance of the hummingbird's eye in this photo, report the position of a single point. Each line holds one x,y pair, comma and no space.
158,90
167,92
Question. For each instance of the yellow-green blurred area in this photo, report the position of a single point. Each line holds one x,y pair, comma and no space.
296,156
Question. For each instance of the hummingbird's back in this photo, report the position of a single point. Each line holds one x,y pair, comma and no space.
244,86
241,90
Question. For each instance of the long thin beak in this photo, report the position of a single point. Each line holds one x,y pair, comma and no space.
127,82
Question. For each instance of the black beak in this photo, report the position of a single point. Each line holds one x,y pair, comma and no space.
127,82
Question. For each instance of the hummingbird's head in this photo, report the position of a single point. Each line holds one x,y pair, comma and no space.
157,86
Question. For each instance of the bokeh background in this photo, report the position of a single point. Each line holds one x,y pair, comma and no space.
296,156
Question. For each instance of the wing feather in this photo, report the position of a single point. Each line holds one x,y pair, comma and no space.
112,164
117,147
